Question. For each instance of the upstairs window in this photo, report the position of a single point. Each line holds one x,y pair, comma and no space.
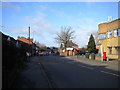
109,34
116,32
102,36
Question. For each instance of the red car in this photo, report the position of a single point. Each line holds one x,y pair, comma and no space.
41,53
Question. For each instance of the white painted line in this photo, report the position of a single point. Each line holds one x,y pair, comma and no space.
86,67
109,73
81,65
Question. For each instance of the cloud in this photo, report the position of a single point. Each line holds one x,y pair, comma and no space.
39,24
18,31
35,5
89,20
83,31
60,14
84,21
10,6
42,29
82,36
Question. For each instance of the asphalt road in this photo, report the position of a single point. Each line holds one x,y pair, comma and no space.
67,73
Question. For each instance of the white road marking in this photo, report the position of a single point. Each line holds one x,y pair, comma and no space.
86,67
81,65
109,73
93,68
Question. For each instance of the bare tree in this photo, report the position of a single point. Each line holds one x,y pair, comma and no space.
40,45
66,34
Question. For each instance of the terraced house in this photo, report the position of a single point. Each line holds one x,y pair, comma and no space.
109,39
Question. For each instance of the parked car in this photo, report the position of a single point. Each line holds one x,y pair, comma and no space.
41,53
80,53
46,53
87,53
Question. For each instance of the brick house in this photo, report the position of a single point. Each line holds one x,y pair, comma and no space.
71,49
26,40
28,43
109,39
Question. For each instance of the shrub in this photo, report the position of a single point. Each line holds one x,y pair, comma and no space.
87,56
92,57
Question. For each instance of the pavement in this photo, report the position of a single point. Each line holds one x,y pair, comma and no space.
113,65
32,76
67,72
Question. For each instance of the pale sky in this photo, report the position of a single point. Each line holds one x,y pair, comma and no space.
46,19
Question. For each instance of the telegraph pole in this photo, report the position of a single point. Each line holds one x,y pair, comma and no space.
29,39
29,34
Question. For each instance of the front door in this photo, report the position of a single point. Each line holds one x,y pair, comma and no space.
69,53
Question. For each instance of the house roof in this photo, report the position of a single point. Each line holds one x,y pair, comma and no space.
71,44
25,40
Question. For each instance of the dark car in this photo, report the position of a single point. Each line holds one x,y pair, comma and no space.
80,53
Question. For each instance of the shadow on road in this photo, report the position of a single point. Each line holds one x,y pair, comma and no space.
63,72
103,66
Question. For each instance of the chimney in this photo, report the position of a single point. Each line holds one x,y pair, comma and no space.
109,18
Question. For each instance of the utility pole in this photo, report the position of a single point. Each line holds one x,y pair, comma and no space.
29,39
29,34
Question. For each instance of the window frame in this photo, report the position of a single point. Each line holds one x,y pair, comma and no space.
103,36
108,36
117,49
117,32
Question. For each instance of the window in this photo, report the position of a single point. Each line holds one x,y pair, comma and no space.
117,50
116,32
102,36
109,34
110,50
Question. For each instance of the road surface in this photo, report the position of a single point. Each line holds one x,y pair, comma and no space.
64,72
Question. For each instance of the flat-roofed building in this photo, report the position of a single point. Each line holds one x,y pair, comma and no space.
109,39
